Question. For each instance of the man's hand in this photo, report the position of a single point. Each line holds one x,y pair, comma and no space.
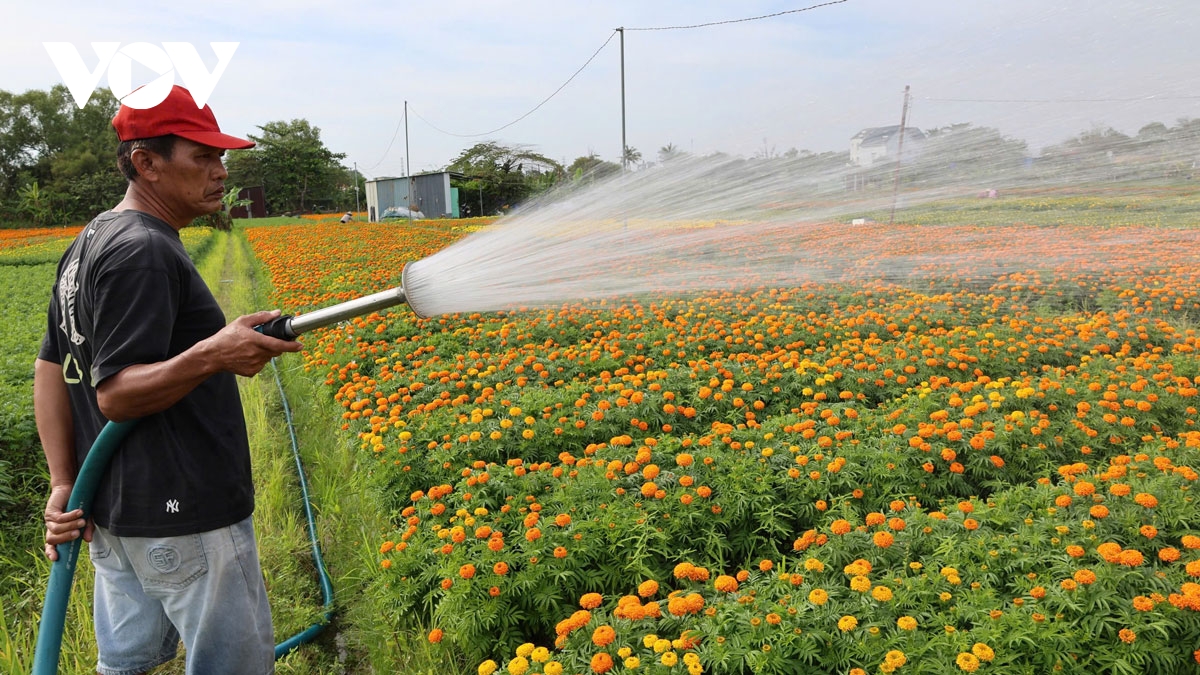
62,528
243,350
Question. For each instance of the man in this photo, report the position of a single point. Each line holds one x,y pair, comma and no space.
133,333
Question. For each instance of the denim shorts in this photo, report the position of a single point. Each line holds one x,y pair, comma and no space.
206,589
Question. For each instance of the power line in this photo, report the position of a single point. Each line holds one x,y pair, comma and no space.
752,18
389,146
535,108
1062,100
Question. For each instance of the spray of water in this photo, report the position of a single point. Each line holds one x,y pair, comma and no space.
721,223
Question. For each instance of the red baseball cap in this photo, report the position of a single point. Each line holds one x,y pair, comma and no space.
178,115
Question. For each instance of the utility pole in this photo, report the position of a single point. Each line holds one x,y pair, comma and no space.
356,207
624,153
408,165
899,154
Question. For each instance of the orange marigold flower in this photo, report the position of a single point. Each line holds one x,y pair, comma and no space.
1146,499
591,600
1148,531
765,565
1143,604
1127,636
603,636
971,524
1131,558
1191,541
725,584
839,526
774,619
560,551
647,588
1169,554
601,663
1075,551
1085,577
466,571
436,635
1084,488
883,539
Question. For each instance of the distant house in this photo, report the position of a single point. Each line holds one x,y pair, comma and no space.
432,195
880,144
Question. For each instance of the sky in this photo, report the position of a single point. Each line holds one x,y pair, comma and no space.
1037,70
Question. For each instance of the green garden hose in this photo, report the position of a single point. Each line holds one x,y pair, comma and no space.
62,572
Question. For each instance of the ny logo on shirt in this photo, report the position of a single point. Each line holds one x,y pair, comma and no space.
172,506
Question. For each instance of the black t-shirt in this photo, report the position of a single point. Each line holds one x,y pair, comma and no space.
127,294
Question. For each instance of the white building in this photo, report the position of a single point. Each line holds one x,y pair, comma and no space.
881,144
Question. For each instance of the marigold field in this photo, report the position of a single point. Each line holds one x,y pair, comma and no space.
951,475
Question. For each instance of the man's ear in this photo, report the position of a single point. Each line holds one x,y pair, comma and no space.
146,163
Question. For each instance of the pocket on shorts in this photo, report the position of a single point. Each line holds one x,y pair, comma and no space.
170,563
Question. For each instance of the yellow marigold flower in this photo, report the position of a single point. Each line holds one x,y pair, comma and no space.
518,666
818,596
661,645
860,584
906,623
525,650
669,659
895,658
847,623
982,651
814,565
967,662
540,655
487,667
632,662
881,593
624,652
649,640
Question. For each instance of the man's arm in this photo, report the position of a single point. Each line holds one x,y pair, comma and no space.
52,410
145,389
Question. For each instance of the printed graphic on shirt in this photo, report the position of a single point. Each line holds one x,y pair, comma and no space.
172,506
68,286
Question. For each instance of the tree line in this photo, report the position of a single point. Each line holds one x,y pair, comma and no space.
57,162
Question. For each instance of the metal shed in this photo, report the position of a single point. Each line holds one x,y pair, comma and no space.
432,195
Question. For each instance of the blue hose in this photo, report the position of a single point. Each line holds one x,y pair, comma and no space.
62,572
311,632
